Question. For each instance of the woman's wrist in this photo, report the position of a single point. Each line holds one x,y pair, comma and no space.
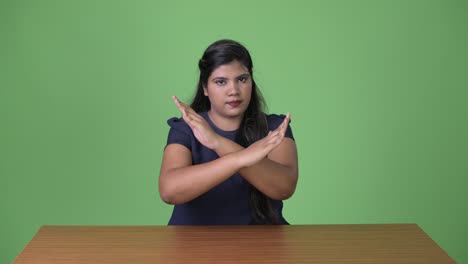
225,146
216,142
240,158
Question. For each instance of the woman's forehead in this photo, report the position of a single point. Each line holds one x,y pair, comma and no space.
232,69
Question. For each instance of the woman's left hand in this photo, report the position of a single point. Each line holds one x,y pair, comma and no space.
262,148
201,129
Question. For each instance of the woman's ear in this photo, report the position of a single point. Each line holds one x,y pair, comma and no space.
205,91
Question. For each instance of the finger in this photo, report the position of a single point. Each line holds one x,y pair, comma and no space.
178,104
176,100
194,116
272,133
182,105
278,139
285,123
286,120
273,136
193,112
193,119
189,120
273,141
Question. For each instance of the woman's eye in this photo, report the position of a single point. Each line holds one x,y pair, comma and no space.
220,82
243,79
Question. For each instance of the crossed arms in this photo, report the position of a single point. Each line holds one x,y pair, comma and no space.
269,164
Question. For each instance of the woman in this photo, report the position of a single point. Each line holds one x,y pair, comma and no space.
226,162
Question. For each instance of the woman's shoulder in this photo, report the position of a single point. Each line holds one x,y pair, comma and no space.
178,123
179,133
271,117
274,120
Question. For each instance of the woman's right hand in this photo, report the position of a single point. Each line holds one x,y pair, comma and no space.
201,129
260,149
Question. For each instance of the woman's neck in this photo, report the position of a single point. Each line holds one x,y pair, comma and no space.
225,123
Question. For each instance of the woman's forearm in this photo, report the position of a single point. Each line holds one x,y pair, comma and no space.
181,185
276,180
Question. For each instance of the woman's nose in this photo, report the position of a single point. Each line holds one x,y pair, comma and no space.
234,89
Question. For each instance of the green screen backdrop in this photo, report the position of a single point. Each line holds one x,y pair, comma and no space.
377,91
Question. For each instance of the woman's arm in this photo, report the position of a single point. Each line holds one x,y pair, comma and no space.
275,175
180,181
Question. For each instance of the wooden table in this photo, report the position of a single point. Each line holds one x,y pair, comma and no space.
379,243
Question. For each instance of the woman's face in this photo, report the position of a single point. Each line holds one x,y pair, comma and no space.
229,89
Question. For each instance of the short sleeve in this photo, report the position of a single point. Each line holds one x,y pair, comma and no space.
274,121
179,133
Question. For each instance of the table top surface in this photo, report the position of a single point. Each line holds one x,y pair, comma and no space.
374,243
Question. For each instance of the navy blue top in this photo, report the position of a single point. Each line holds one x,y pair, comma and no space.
228,202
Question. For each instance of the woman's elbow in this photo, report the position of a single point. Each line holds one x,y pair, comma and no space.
166,197
167,193
286,194
289,190
282,193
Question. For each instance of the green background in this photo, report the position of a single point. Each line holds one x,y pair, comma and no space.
377,91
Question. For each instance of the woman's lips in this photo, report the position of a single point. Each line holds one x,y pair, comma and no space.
234,103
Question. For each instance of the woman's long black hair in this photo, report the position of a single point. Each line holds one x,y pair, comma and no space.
254,124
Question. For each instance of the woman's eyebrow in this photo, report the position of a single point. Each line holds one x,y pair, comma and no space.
243,75
225,78
219,78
